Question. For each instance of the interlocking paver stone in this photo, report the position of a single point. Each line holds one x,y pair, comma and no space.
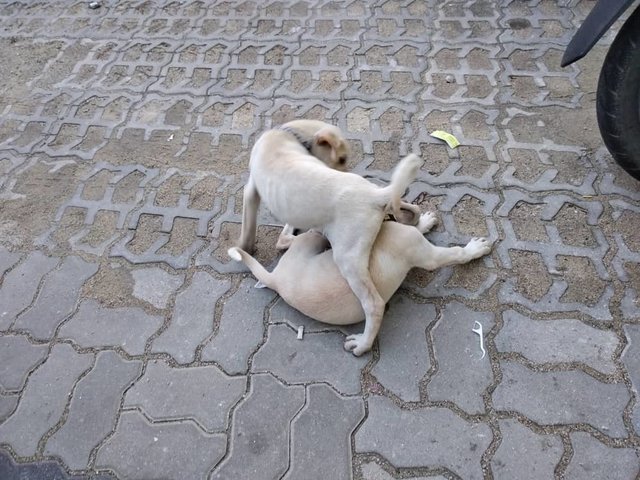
400,436
93,409
154,285
20,285
57,298
7,260
404,356
551,398
373,471
125,138
141,450
259,441
240,329
7,405
203,394
462,374
592,459
43,399
555,341
321,431
96,326
17,357
631,359
318,357
37,471
192,318
524,454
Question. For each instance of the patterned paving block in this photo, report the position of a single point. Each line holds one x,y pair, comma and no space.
404,355
93,409
537,166
372,471
226,117
554,341
193,318
592,459
18,357
461,22
256,68
57,298
240,330
140,450
631,359
561,246
319,357
202,394
532,24
366,120
95,326
463,375
259,443
7,260
44,399
525,454
464,74
37,470
323,430
106,188
155,286
400,436
562,398
8,404
20,285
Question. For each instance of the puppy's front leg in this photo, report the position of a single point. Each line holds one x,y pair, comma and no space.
250,204
431,257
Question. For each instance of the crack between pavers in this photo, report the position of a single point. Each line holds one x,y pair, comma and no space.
37,293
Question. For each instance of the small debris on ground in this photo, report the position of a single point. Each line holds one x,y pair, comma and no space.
478,329
447,137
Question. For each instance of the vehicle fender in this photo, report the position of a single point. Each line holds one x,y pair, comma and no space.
601,17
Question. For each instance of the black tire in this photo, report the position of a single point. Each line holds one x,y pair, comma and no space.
618,99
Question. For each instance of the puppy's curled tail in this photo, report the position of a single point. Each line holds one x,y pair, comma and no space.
403,175
265,279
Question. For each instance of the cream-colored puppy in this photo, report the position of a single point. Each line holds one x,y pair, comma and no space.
308,279
291,171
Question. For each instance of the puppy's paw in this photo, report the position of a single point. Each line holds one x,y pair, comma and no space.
234,253
357,344
478,247
427,221
284,242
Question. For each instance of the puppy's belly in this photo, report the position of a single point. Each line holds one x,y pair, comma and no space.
316,287
319,291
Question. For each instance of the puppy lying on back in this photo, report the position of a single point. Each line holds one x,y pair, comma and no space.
308,279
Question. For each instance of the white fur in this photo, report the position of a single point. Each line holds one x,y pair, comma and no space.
300,189
308,278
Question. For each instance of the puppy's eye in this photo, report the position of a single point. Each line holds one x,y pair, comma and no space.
342,160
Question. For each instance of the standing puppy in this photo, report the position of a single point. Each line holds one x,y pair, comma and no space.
291,171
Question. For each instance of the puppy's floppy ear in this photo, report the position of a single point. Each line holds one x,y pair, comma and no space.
326,138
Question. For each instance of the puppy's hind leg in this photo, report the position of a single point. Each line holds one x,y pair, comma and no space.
430,257
250,204
353,262
286,237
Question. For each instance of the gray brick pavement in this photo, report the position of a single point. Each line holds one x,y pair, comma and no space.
124,144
